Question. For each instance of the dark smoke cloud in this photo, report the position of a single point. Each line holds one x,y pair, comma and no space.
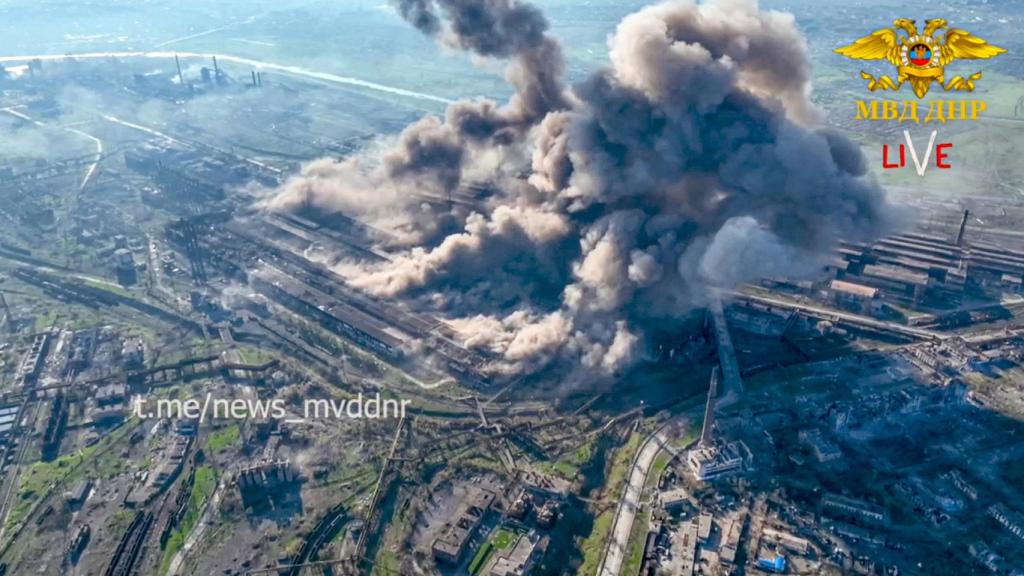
693,161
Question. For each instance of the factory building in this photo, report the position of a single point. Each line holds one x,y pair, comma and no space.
265,475
335,316
853,508
1009,519
915,268
189,176
8,416
33,360
856,297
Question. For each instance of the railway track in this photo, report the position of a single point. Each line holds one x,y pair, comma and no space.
128,550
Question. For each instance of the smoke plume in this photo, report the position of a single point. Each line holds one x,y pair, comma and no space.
694,160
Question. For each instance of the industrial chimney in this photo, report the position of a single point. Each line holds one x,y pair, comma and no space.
707,432
963,228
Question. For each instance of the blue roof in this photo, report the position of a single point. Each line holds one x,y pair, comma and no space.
778,564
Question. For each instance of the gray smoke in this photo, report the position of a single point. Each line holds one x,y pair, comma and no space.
431,156
694,160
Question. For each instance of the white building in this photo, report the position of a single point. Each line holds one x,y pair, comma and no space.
713,461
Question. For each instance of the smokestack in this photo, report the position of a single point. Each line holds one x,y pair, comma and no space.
259,79
253,78
8,319
216,70
963,228
177,63
707,432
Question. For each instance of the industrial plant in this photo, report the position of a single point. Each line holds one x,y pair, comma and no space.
630,331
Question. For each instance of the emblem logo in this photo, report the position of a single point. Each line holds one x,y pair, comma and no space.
920,57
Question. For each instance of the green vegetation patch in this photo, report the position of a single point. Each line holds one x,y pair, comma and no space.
202,489
504,538
641,525
36,483
253,356
220,440
482,555
593,545
637,541
568,466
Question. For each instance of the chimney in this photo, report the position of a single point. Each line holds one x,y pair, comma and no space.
707,432
253,78
181,78
963,228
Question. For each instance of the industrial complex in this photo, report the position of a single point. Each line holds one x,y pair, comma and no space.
164,329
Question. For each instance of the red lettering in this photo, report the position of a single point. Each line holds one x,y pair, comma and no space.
885,157
940,155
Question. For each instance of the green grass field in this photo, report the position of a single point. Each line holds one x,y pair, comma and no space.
482,555
222,439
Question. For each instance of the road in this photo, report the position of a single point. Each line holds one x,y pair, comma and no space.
99,156
629,503
73,197
96,141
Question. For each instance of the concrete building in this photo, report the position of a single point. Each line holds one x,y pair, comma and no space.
853,533
853,508
448,547
520,560
1010,519
674,498
124,265
985,556
731,531
704,525
684,548
133,354
33,360
962,484
719,460
265,475
794,544
823,449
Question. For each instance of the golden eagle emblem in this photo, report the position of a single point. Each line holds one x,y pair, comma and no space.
920,58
